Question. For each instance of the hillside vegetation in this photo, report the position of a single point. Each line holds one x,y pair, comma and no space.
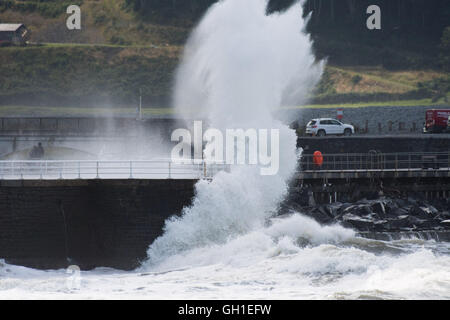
376,84
103,22
86,74
126,46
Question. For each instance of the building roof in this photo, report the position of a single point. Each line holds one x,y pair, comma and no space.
10,26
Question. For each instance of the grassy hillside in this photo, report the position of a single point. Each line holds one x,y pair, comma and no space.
103,22
118,52
343,84
85,74
81,75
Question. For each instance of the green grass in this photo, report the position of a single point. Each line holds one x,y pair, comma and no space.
399,103
377,79
38,111
90,45
76,74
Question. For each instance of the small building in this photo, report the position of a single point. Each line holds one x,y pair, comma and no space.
13,33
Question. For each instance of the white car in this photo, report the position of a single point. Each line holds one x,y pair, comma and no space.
326,126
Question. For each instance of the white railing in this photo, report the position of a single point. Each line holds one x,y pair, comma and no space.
106,169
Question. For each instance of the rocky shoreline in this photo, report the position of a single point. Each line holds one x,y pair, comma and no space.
384,214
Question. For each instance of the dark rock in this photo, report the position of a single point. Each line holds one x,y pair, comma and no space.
334,208
379,209
390,207
423,212
444,215
349,208
291,207
372,195
380,225
362,224
320,215
359,209
400,203
433,210
299,196
323,210
416,222
382,214
344,206
398,212
399,222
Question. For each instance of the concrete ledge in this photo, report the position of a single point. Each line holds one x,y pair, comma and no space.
383,144
347,174
95,182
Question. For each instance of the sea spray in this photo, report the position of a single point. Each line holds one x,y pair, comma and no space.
286,236
239,65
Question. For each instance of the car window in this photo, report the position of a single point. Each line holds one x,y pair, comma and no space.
326,122
311,123
335,122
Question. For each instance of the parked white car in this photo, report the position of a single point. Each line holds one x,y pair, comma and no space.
327,126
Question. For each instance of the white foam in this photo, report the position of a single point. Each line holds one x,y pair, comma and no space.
238,66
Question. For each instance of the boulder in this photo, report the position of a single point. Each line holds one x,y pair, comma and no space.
401,203
399,223
415,222
358,209
334,209
382,214
379,209
362,224
444,215
381,225
398,212
423,212
320,215
390,207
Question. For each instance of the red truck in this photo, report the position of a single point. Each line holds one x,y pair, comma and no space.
436,120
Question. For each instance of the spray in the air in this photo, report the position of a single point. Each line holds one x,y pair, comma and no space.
239,65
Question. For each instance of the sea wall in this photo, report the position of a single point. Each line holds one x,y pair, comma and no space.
89,223
92,223
384,144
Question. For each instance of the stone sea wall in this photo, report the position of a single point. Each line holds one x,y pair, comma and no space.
89,223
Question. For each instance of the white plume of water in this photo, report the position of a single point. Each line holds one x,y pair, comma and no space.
239,65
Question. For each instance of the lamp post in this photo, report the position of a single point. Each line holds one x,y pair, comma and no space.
140,104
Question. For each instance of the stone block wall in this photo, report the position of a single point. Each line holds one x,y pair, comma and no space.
89,223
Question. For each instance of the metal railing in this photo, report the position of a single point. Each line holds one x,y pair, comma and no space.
378,161
105,169
167,169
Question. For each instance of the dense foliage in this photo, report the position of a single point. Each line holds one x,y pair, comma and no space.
403,15
415,35
409,37
47,8
85,75
445,49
